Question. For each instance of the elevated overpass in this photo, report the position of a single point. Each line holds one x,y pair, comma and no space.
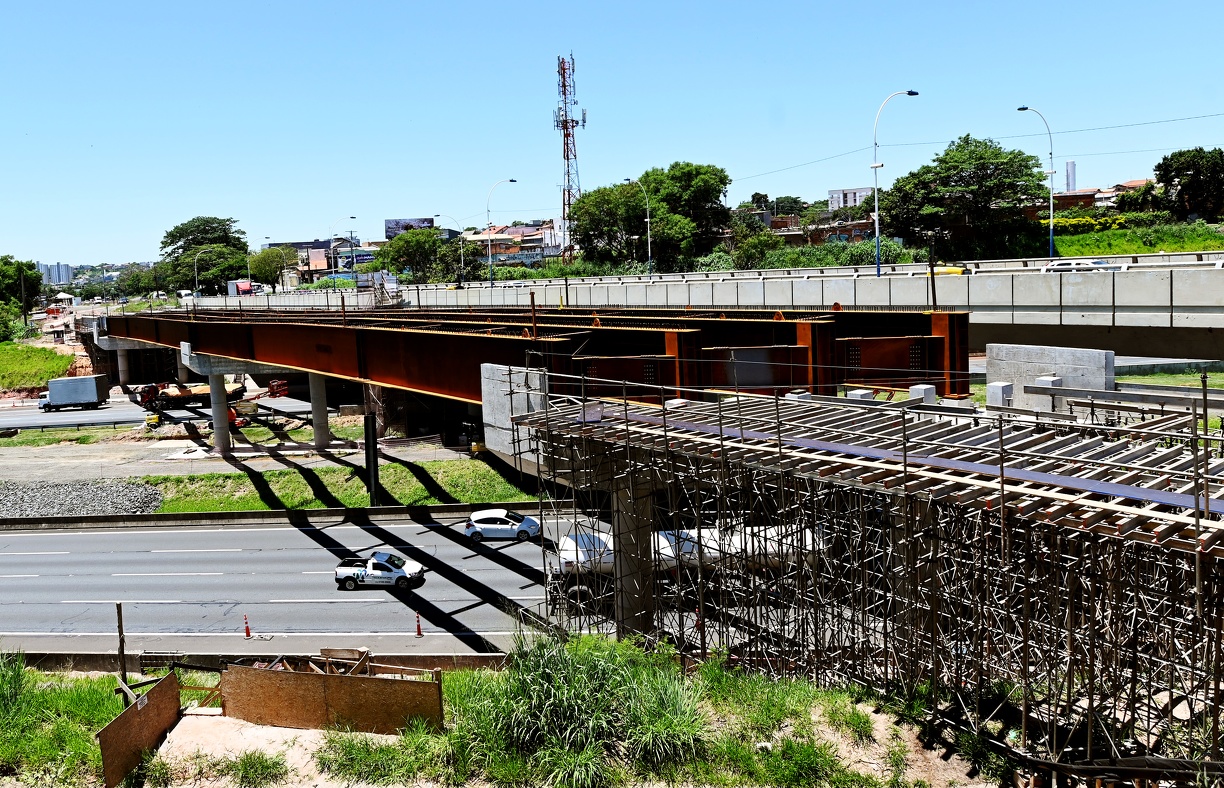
1150,304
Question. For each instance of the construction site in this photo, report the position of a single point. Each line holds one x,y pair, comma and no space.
1047,582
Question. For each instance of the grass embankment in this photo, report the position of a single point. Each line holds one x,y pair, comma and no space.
406,483
1141,240
27,367
33,438
593,712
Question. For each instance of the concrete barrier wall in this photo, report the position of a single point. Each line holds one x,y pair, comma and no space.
1021,365
1180,297
300,299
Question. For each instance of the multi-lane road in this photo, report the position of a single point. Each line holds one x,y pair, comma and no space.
122,411
188,589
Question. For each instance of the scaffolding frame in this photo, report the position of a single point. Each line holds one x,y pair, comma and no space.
1054,586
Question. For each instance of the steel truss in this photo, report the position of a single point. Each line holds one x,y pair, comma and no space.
1044,583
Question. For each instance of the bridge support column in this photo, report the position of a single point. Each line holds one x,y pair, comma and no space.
634,560
121,365
184,374
318,410
220,414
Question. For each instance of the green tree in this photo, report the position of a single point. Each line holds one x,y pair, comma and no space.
411,254
20,282
474,261
215,265
135,279
267,264
605,221
1194,182
695,192
202,231
976,189
789,206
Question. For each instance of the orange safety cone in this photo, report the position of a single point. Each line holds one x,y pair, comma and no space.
420,634
247,626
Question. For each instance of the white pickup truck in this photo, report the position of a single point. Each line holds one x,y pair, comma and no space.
386,570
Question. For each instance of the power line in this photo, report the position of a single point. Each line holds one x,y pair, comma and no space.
1008,137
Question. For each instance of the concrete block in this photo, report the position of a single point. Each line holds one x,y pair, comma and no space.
910,291
778,293
860,394
726,294
839,291
1048,380
999,394
635,293
1143,288
701,293
986,290
751,295
1027,365
1094,288
808,292
1198,287
872,291
924,392
677,294
1036,298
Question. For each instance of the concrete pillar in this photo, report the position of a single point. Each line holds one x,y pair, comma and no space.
999,393
121,362
318,410
220,414
924,392
633,555
184,373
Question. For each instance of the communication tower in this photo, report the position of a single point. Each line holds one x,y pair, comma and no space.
565,120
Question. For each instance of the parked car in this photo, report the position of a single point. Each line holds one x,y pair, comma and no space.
380,569
1079,266
501,524
123,299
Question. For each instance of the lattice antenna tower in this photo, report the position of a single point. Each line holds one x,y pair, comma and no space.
565,121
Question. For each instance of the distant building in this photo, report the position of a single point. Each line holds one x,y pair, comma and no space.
847,198
55,273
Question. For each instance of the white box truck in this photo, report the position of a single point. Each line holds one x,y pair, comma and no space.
88,391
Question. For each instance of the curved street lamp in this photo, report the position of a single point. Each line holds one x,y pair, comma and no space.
649,257
284,260
489,225
460,231
1027,108
195,264
875,168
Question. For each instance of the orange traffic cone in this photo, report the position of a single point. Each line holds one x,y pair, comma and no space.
247,626
420,634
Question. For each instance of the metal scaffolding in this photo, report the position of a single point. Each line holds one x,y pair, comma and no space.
1054,586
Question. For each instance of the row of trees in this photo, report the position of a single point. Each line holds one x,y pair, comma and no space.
20,283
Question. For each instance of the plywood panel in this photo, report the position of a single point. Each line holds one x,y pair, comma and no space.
305,700
140,727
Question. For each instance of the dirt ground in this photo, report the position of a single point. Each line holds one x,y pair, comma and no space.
209,734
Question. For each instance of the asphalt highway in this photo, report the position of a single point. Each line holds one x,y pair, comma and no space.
188,589
123,411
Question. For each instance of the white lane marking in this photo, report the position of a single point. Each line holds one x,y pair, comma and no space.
165,574
137,531
124,601
229,634
18,575
48,552
205,550
300,601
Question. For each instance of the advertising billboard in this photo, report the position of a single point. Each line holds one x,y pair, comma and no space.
394,227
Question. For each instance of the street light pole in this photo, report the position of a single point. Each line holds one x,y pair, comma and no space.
195,264
1050,173
332,257
459,230
489,225
875,168
649,256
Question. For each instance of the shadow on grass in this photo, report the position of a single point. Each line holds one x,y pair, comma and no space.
385,497
431,485
261,485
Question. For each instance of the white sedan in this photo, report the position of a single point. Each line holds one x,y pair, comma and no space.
501,524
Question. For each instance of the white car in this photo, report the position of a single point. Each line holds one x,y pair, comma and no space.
380,569
585,551
501,524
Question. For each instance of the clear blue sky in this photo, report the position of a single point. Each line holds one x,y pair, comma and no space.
123,119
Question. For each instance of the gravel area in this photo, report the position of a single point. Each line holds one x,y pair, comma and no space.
105,496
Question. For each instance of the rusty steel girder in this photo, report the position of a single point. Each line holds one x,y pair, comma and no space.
439,352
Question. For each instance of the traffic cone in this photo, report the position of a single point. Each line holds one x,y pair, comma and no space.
247,626
420,634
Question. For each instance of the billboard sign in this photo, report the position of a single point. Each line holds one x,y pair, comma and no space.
394,227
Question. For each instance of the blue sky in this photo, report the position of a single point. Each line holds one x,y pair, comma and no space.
124,119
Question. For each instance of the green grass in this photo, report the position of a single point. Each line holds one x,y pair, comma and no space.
591,712
411,484
1142,240
1189,378
86,435
253,769
25,366
48,722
